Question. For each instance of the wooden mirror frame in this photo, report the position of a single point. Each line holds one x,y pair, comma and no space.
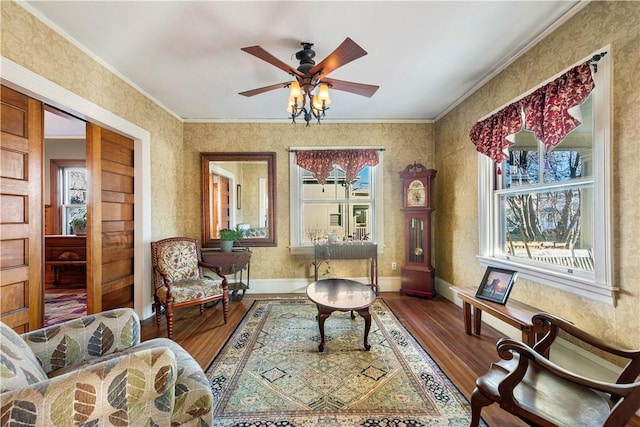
270,158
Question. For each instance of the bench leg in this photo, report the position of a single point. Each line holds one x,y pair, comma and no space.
466,308
477,320
56,281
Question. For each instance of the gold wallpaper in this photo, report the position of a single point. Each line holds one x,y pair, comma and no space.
175,151
403,144
35,46
598,24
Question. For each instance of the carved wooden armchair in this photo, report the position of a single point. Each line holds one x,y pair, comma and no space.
179,280
542,393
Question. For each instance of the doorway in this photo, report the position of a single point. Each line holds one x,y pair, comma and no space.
23,80
65,194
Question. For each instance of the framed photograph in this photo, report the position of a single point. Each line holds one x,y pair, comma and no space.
239,196
496,285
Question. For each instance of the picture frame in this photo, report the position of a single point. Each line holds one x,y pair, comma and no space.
239,196
496,285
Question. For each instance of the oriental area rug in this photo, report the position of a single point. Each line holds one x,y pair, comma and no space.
270,373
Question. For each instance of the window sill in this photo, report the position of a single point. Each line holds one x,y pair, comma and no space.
308,250
581,286
301,250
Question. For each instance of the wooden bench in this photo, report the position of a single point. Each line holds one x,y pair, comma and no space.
514,313
63,251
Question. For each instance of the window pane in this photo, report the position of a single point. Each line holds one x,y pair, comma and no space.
361,187
75,186
336,187
347,221
571,159
562,166
522,167
550,226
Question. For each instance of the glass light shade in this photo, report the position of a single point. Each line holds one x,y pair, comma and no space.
317,103
323,94
295,92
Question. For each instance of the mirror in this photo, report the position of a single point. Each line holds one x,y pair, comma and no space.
238,191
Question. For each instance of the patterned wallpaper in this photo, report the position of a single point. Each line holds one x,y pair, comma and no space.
176,146
35,46
401,143
597,25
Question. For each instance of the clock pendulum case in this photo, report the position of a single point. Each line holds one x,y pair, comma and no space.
418,275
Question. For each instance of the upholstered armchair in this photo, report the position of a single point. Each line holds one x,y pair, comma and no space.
540,392
179,280
94,371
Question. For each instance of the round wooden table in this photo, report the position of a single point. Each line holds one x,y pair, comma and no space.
331,295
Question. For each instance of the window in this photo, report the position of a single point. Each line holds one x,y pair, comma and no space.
352,210
547,214
71,180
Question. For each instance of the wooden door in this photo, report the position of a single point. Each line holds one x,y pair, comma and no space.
214,220
225,205
21,227
110,219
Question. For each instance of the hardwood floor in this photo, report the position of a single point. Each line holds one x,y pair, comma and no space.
436,324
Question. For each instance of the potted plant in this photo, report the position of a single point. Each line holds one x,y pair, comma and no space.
78,221
228,236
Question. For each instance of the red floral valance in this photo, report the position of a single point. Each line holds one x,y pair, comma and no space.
547,113
320,162
490,135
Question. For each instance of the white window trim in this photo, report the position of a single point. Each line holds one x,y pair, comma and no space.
599,284
295,196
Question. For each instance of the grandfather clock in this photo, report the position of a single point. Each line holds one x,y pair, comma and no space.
418,275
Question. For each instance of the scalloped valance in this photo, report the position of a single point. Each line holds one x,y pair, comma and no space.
320,162
549,112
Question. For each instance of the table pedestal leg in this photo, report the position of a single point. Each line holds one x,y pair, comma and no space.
321,318
367,326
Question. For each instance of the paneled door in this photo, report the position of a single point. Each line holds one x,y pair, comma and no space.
110,231
21,202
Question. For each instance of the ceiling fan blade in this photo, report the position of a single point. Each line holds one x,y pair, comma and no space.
345,53
357,88
258,91
266,56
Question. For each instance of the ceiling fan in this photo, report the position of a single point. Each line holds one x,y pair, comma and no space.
308,76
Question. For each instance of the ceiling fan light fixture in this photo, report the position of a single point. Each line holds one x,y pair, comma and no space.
307,84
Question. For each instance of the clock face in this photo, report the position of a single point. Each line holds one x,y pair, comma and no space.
416,195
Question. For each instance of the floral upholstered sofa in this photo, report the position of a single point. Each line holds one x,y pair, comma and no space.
94,371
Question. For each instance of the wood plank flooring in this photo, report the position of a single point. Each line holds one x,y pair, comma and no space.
436,324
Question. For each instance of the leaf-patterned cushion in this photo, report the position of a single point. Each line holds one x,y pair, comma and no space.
178,261
18,365
80,340
133,389
189,290
107,377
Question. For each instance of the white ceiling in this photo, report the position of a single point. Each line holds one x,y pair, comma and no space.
425,55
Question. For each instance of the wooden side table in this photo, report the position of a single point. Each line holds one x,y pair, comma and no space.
348,250
233,263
